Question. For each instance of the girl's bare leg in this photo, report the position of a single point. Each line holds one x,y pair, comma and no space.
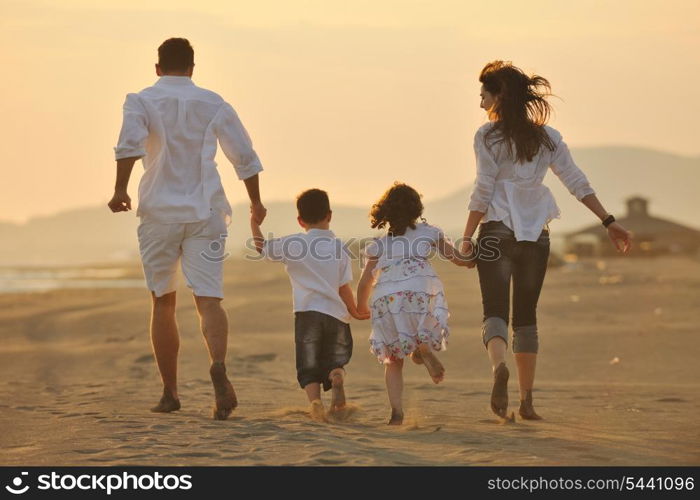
432,363
393,376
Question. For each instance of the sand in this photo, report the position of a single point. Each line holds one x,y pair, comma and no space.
618,379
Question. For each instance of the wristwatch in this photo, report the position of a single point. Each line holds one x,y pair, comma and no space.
608,220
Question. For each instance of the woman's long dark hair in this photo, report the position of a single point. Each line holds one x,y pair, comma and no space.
399,207
521,109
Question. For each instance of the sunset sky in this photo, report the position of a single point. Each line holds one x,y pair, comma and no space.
346,96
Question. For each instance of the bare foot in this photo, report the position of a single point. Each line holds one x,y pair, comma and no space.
416,357
432,363
499,393
527,411
317,412
167,403
337,392
223,391
396,417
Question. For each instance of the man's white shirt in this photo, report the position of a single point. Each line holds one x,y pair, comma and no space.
174,126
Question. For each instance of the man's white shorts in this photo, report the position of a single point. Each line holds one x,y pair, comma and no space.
200,246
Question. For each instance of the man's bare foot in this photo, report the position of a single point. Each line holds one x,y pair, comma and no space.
416,357
317,412
499,393
432,363
223,391
396,417
527,411
337,391
167,403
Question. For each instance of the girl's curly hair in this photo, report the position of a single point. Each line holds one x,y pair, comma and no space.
399,207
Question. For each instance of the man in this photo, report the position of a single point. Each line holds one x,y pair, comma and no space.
174,126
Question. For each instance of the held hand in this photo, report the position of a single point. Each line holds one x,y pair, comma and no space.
120,202
467,251
362,312
620,237
358,315
258,212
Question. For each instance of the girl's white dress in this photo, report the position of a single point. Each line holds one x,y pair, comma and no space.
408,304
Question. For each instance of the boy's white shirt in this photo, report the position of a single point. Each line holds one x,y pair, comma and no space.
318,265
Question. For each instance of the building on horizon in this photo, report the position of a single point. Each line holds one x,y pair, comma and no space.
651,235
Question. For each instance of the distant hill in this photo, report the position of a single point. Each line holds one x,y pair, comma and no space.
94,235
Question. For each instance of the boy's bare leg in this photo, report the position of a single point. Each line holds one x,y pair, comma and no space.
337,378
393,376
432,363
313,392
166,344
214,325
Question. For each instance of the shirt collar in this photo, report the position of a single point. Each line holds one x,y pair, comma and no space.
174,80
320,232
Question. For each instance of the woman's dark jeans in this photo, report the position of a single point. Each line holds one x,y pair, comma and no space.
502,258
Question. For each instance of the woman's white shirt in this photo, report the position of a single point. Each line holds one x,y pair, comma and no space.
512,192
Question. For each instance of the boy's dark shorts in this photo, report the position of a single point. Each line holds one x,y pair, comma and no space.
323,343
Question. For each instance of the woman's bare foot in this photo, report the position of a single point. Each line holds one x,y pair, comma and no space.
432,363
223,391
416,357
527,411
167,403
396,417
499,393
337,391
317,412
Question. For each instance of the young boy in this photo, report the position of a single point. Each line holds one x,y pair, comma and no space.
320,271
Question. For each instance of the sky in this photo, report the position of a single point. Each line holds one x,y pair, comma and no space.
345,96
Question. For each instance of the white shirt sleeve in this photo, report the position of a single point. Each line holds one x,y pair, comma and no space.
345,269
486,172
235,142
134,131
569,174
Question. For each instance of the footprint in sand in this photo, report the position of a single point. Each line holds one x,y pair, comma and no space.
146,358
597,458
160,427
258,358
196,454
671,400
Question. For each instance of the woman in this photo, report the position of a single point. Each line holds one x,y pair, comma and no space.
512,208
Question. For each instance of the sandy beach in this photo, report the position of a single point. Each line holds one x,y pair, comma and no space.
618,379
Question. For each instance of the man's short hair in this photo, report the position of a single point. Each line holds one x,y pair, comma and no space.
175,54
313,205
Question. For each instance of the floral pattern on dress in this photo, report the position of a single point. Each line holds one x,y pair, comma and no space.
405,268
403,320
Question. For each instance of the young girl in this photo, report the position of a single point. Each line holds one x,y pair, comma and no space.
408,307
